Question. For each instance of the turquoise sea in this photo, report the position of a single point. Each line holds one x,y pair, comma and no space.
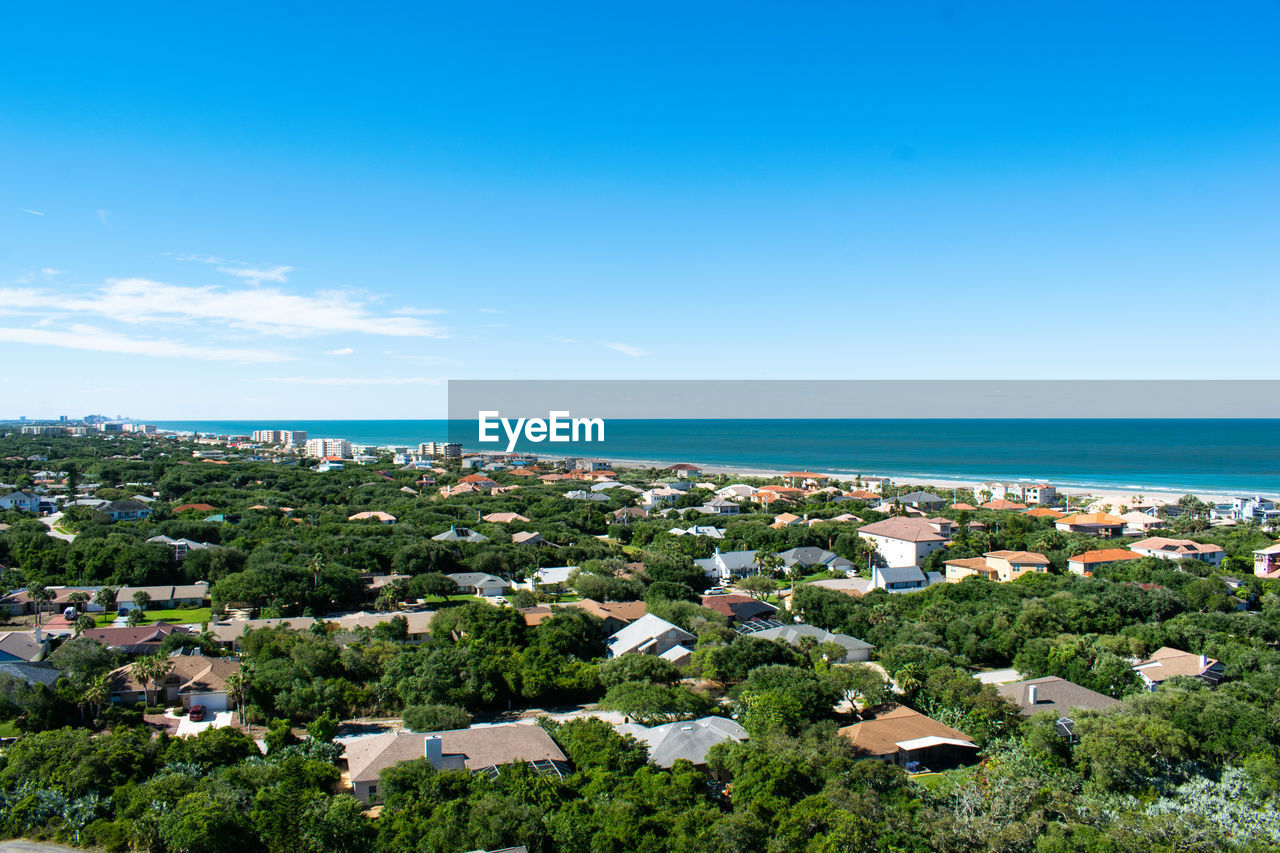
1199,455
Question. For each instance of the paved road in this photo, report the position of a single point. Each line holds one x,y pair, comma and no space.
49,522
21,845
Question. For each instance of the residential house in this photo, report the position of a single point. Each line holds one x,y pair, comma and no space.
550,579
896,579
229,633
126,510
905,541
615,615
484,749
1001,504
460,534
1179,549
1168,663
629,513
380,517
21,501
201,508
924,501
1043,512
725,565
1101,524
529,537
34,674
999,566
688,740
135,641
1025,492
505,518
24,646
902,736
873,484
192,680
1140,523
1266,561
855,650
720,506
1053,694
685,470
739,608
1089,561
786,519
736,491
697,530
585,495
806,479
813,557
651,635
479,583
181,547
165,597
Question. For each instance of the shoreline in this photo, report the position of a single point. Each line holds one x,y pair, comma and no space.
1118,495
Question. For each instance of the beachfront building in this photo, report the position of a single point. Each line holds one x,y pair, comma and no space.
1100,524
440,450
1266,561
806,479
685,470
923,501
1088,562
323,448
905,541
1179,549
999,566
1041,494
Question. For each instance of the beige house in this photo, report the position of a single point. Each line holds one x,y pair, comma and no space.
999,566
479,750
192,680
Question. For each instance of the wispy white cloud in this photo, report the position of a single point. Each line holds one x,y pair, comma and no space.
264,310
32,212
355,380
342,351
563,340
82,337
278,274
625,349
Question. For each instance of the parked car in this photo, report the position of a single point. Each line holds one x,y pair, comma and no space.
196,714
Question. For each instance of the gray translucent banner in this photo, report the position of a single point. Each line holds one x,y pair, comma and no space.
863,399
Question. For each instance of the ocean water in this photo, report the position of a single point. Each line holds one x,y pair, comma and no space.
1200,455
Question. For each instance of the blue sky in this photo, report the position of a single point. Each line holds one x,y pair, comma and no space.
320,211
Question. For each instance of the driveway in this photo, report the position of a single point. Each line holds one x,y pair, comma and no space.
50,521
219,720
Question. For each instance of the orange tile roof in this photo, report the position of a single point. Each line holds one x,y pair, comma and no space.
1105,555
1093,518
1043,512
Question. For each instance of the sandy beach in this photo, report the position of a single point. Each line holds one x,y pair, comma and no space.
1107,494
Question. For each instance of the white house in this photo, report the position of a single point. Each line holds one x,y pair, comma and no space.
724,565
480,583
901,578
20,501
905,541
649,635
1179,549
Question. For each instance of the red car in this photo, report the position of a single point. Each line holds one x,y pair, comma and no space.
196,714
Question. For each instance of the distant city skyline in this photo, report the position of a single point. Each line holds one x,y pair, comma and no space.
329,215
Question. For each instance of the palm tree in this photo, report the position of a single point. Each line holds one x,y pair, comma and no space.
41,595
106,597
84,622
150,668
96,692
78,599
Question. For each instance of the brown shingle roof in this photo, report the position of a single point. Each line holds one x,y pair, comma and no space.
487,746
881,735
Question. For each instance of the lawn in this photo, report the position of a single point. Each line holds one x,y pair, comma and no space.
8,729
184,616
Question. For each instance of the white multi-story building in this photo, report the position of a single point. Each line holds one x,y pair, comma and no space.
323,448
440,449
906,541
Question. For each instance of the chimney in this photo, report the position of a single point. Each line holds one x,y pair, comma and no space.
1031,694
433,751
